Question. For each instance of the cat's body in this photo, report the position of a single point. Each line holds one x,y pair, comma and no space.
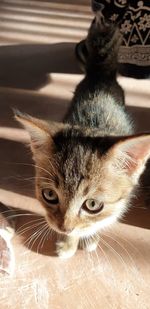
97,110
99,96
88,167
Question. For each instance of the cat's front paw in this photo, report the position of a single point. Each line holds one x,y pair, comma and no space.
65,250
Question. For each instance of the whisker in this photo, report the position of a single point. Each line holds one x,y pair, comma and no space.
26,225
87,241
45,227
105,255
115,252
29,228
34,236
138,207
96,236
43,238
129,243
19,215
34,220
125,250
35,166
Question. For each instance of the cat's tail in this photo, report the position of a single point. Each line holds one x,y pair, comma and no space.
98,53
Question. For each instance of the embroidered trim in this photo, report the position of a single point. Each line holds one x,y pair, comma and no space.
138,55
135,28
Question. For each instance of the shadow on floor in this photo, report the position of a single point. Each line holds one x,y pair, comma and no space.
27,66
31,228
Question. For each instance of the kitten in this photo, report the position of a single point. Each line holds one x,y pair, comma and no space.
88,166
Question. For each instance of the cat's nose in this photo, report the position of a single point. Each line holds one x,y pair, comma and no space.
66,229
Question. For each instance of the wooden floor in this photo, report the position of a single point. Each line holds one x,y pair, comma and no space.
38,74
43,21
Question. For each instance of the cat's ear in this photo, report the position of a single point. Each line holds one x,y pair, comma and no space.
38,129
131,154
41,132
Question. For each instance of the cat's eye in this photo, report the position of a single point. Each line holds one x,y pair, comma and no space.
50,196
93,206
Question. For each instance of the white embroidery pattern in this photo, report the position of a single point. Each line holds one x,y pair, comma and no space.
122,1
126,26
134,39
135,28
144,22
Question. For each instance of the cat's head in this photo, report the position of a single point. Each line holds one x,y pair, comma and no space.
84,180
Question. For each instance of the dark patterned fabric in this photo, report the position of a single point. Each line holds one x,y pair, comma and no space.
133,17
